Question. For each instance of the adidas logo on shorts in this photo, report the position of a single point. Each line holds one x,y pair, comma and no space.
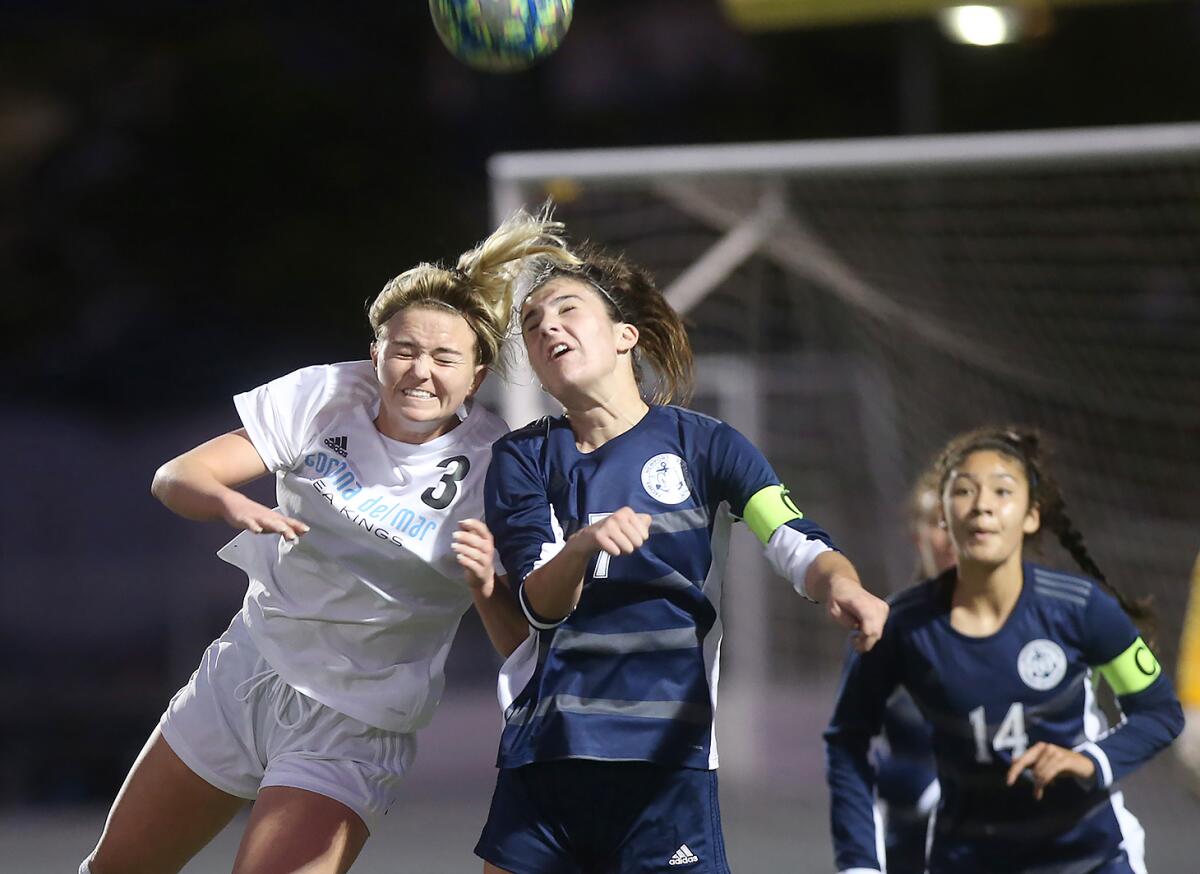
684,856
337,444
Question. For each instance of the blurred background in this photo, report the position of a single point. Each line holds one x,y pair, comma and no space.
198,197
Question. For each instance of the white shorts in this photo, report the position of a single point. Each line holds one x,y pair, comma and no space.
241,728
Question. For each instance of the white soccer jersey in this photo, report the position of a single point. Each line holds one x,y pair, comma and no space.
360,612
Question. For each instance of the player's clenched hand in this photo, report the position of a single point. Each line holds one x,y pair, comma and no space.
475,550
243,513
1047,762
619,533
853,607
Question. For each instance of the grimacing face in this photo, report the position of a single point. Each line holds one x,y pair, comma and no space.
986,504
572,342
425,362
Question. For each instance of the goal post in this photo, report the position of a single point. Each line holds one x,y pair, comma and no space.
880,295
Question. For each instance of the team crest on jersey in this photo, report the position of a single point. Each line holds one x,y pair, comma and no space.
664,478
1042,664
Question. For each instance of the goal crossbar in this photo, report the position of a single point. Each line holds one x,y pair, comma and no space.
937,153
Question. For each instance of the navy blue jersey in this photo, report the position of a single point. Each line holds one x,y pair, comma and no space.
631,673
988,699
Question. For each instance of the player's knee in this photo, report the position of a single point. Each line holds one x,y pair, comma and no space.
108,858
94,865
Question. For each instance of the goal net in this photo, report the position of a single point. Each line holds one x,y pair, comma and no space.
855,303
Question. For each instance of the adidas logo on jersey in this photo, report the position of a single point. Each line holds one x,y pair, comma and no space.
337,444
684,856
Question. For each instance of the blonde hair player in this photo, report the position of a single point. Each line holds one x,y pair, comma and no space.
310,701
614,520
999,655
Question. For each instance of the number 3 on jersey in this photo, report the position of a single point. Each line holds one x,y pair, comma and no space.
1010,735
440,496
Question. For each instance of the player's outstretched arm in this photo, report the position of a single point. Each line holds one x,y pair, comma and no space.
798,549
553,590
832,580
502,619
201,484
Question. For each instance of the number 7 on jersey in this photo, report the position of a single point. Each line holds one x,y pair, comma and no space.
602,560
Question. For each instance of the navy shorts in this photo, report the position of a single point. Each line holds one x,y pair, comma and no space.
577,816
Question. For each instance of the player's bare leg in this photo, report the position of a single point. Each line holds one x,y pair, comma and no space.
489,868
294,831
164,814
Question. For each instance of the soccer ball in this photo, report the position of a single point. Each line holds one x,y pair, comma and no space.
500,36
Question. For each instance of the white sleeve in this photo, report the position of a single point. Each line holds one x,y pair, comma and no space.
277,416
790,553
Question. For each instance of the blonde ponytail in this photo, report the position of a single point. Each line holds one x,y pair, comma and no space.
480,286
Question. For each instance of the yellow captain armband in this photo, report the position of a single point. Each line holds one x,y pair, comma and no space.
767,509
1133,670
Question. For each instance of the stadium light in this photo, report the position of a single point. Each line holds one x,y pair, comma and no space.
980,25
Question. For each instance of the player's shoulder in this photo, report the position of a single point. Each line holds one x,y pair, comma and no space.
690,417
347,383
910,607
531,436
693,417
695,428
1062,588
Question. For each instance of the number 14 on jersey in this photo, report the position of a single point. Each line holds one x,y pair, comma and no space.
1010,735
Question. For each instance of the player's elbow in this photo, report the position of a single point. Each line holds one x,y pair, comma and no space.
844,746
1173,719
1160,704
164,481
1162,723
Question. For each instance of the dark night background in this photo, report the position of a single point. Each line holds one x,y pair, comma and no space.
198,194
196,197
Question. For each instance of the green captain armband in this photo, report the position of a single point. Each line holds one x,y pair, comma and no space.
767,509
1133,670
